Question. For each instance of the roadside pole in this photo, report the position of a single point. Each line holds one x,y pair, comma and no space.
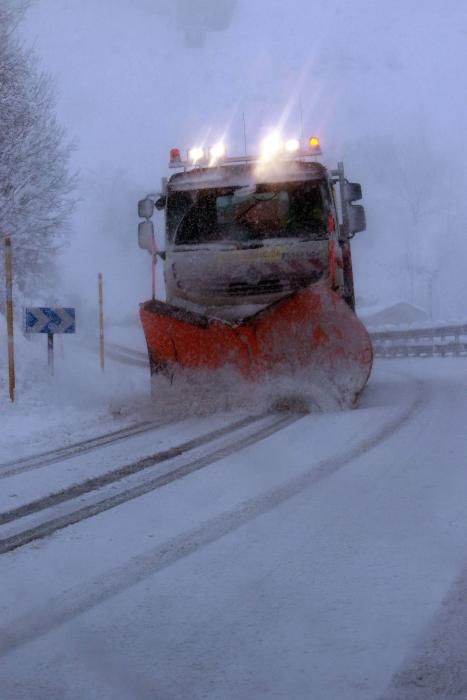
101,322
153,267
9,317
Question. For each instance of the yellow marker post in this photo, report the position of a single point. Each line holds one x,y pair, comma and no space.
9,316
101,322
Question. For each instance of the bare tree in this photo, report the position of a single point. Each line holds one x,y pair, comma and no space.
35,182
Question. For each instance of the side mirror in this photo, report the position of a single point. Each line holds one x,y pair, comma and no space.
145,208
357,218
160,203
146,238
352,191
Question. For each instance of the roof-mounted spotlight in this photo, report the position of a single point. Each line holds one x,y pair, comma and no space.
271,147
217,152
292,145
195,154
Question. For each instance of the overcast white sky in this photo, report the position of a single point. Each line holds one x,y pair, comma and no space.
364,73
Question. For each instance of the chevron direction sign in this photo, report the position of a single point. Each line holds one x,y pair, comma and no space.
39,319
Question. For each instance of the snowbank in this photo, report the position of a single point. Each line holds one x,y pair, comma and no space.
79,401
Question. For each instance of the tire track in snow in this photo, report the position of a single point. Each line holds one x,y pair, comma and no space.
110,477
110,584
90,485
43,459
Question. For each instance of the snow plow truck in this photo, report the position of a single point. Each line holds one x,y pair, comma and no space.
257,267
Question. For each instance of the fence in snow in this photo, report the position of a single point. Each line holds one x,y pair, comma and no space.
442,340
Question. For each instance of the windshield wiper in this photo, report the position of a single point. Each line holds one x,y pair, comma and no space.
190,208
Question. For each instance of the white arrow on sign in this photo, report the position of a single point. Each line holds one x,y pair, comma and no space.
49,320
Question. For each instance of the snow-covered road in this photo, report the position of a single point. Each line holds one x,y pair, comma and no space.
321,558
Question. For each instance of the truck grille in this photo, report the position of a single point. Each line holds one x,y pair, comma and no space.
264,286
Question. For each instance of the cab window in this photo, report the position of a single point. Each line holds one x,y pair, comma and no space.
284,211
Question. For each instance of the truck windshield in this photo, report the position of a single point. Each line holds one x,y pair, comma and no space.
279,211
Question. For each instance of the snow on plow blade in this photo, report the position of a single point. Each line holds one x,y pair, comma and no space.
312,330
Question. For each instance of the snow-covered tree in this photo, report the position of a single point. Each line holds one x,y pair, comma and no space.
35,182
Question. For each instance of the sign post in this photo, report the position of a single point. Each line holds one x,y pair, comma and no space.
40,319
50,352
9,317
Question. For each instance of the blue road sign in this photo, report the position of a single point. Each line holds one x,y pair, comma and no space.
45,320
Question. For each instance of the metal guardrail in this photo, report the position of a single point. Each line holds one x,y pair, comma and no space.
441,340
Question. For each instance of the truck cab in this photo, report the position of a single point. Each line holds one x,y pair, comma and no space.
243,231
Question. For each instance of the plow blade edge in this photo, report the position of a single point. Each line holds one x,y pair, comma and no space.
311,329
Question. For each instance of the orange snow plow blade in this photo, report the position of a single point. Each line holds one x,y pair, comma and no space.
312,328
